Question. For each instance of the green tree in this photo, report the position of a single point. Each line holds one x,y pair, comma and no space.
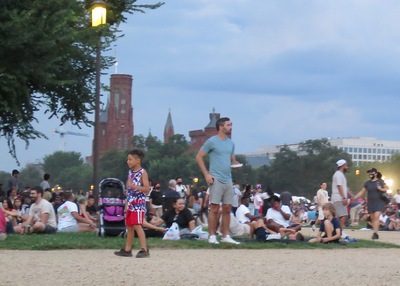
76,178
245,174
318,164
30,176
53,64
284,171
113,165
56,163
4,176
302,172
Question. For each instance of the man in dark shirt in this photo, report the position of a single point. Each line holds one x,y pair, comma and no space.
169,195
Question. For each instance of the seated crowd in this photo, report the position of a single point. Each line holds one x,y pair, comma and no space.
256,214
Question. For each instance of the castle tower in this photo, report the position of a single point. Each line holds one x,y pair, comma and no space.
169,128
116,120
198,137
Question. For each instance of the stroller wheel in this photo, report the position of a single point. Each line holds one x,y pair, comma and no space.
122,234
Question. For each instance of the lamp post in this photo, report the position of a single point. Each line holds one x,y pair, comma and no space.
99,12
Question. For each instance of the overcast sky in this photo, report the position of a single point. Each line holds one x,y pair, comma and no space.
283,71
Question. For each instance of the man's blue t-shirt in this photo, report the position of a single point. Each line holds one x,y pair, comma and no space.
220,152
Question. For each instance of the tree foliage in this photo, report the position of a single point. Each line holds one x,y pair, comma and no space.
297,172
58,162
48,59
302,173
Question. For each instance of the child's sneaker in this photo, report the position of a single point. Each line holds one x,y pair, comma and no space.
142,253
123,252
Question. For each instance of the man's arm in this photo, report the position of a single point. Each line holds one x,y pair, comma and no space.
252,217
286,216
44,218
200,162
82,219
233,159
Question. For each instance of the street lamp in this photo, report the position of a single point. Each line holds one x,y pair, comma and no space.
99,12
389,183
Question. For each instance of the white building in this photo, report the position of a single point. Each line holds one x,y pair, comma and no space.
361,149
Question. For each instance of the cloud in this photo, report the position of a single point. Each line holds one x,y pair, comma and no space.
284,71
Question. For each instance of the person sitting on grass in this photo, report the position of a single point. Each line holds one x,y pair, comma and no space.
82,202
243,212
10,214
91,209
330,230
392,223
278,216
42,218
3,232
150,228
179,214
68,217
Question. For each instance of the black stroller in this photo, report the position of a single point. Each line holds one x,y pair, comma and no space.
112,207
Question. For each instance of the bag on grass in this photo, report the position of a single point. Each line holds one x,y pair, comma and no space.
203,235
189,236
172,233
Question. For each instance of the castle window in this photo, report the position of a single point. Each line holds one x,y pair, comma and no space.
116,100
123,101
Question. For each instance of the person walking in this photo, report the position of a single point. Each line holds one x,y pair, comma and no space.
375,203
339,193
220,149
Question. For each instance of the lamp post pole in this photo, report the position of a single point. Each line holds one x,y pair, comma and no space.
96,140
98,18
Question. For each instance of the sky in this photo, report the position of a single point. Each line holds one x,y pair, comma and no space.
283,71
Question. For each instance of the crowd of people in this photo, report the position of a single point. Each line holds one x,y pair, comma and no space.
228,209
41,210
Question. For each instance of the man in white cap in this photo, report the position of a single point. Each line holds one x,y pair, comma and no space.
339,192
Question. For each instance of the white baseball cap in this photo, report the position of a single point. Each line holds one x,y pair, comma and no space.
341,162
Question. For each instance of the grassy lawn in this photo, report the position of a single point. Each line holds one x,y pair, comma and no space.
92,241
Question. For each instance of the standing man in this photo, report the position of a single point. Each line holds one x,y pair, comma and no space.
220,150
45,183
396,198
237,196
339,192
322,198
12,183
183,190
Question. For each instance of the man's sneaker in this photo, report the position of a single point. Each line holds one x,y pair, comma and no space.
228,239
213,239
313,227
142,253
344,235
375,236
123,252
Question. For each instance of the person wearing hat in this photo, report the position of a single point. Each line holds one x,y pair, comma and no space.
339,192
375,203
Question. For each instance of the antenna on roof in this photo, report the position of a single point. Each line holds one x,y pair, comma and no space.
213,110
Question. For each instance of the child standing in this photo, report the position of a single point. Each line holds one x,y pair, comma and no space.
137,187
